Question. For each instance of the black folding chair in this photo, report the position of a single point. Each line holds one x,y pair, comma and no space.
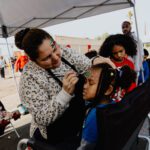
119,124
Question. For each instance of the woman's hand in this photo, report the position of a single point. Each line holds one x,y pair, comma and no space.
101,59
69,81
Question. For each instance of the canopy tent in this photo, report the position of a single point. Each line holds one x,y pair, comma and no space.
18,14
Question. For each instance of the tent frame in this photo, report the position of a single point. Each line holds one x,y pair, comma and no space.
5,34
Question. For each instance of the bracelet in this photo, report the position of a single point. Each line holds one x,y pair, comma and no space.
95,58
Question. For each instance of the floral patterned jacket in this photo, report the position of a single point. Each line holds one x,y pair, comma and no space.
42,95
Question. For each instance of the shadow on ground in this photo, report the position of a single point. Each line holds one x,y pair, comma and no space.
10,141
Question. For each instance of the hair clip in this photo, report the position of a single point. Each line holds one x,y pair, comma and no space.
87,74
111,74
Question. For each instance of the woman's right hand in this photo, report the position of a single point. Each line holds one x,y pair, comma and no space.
69,81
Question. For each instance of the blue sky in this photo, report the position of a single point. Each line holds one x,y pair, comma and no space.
97,25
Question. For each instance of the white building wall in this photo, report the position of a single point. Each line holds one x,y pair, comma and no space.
79,44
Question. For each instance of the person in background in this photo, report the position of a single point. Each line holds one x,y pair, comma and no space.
21,62
2,67
101,81
13,61
138,57
145,70
118,47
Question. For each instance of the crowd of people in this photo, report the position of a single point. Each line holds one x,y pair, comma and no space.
16,63
62,89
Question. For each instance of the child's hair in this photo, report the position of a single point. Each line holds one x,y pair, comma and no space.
118,39
146,53
109,76
91,54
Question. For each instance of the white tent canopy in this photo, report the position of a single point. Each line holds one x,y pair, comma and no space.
17,14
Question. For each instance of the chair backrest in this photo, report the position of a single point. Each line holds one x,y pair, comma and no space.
39,145
132,142
118,124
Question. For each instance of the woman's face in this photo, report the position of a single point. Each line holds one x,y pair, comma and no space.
49,57
91,84
118,52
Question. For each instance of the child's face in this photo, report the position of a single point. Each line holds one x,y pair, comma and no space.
91,84
118,52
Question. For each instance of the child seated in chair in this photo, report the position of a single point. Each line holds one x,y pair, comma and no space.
5,117
101,82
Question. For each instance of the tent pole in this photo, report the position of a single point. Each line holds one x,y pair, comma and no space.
5,35
137,31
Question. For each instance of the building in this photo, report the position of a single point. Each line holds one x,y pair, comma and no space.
82,45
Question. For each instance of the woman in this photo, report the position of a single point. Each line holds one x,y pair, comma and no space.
47,86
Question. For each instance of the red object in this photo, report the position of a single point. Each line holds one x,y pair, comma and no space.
131,65
121,92
123,63
4,123
89,46
21,62
69,46
16,115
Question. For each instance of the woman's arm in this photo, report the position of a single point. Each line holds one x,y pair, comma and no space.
80,61
44,105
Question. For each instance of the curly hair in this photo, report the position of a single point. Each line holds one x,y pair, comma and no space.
118,39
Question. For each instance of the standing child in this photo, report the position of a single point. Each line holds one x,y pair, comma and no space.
118,47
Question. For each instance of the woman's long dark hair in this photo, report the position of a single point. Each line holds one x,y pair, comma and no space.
109,76
29,40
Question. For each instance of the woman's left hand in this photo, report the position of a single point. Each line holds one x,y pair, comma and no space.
101,59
